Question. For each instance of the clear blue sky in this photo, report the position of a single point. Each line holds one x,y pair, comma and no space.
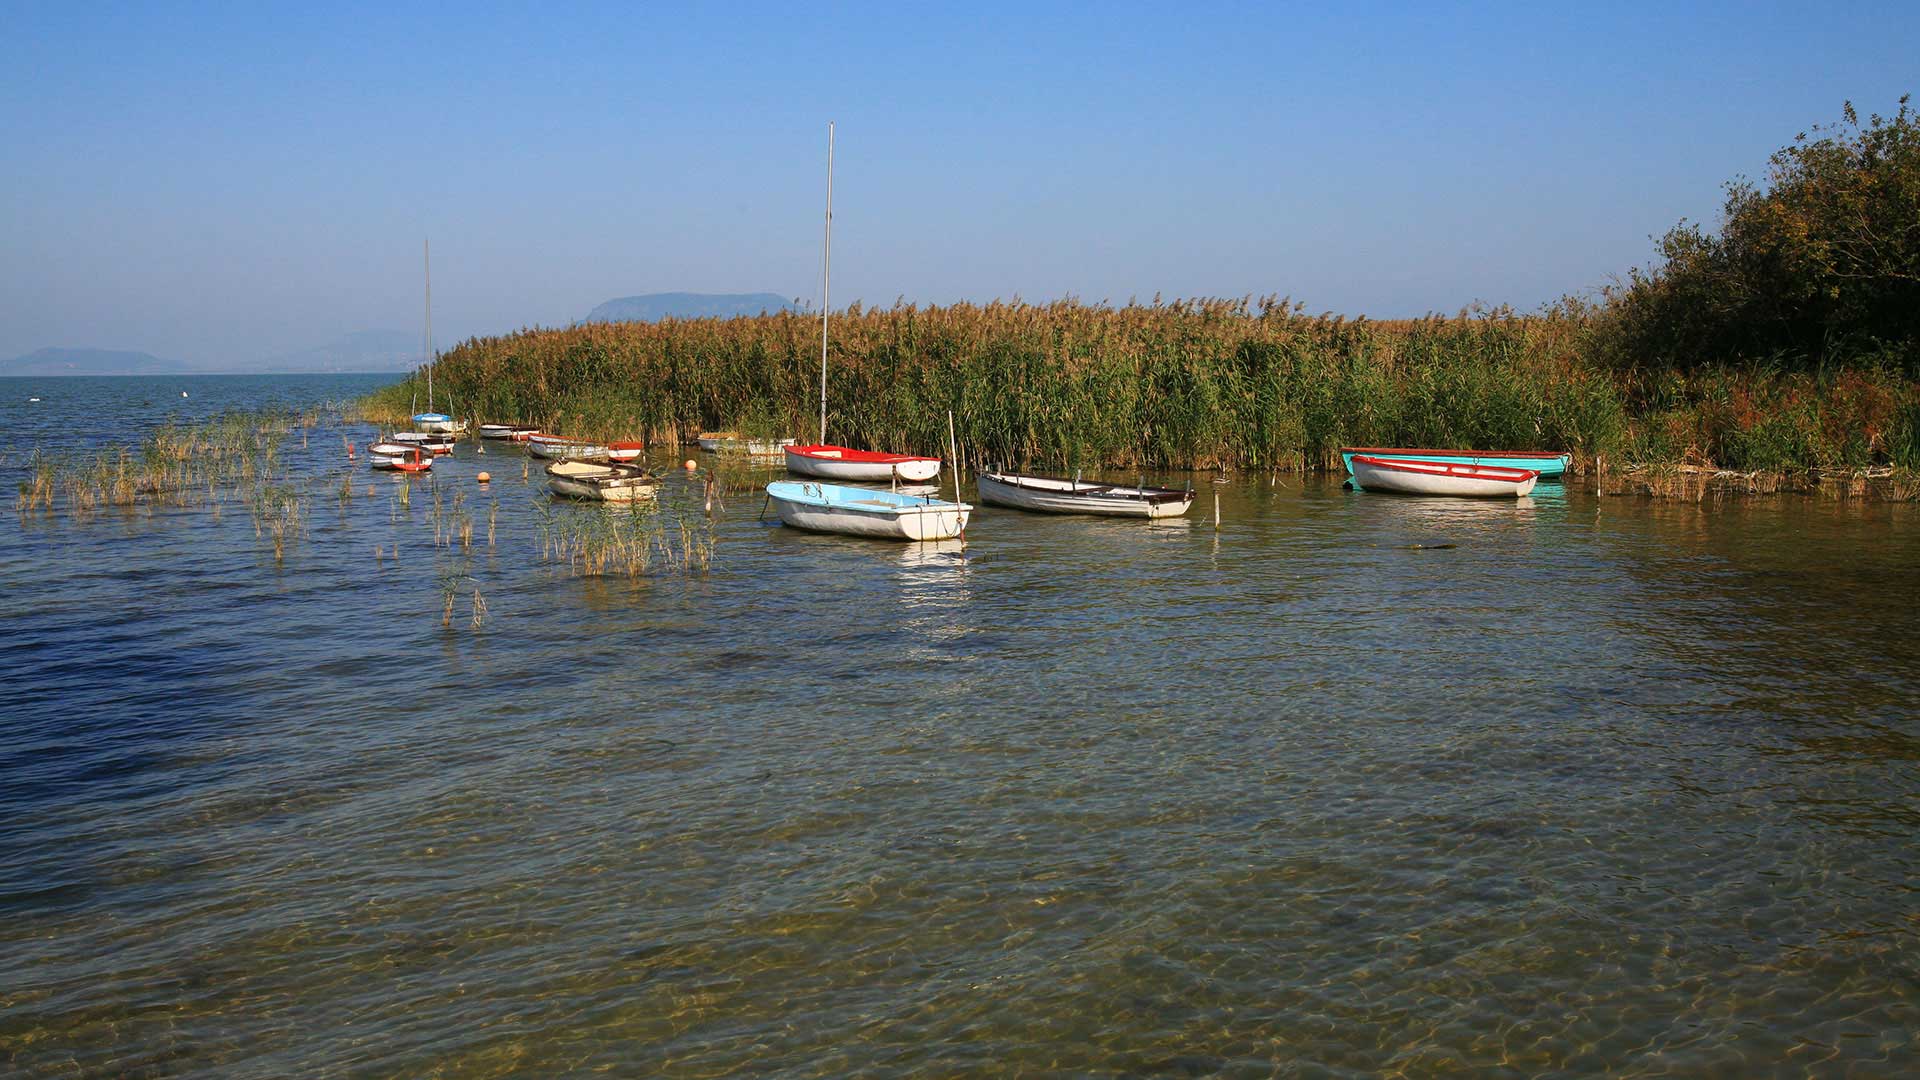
222,185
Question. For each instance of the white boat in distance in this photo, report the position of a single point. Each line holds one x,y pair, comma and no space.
564,449
437,442
841,463
726,442
506,431
603,483
1047,494
857,511
1441,478
399,457
438,423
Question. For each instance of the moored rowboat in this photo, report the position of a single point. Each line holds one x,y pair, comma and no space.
506,431
726,442
439,423
399,457
555,446
857,511
845,463
1550,465
1440,478
1053,496
437,442
605,483
625,451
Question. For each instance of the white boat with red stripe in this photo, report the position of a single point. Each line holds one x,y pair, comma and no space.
845,463
1441,478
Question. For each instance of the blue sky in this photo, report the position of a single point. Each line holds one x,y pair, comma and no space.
224,184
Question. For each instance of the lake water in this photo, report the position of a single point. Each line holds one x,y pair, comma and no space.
1608,784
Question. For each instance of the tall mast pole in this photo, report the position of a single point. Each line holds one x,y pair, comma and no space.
826,282
426,343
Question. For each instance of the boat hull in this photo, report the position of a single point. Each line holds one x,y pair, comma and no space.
831,508
505,431
439,423
554,449
1441,478
726,442
1047,495
844,463
399,457
1551,466
600,483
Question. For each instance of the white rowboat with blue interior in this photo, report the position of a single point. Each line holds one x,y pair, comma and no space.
858,511
438,423
1052,496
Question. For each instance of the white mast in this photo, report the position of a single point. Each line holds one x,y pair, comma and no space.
426,343
826,280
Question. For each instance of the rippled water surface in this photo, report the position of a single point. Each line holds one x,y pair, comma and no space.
1604,785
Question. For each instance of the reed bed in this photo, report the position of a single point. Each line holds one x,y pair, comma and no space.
1185,384
1226,384
175,464
635,539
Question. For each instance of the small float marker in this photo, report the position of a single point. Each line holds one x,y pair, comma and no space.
690,466
483,478
33,399
183,393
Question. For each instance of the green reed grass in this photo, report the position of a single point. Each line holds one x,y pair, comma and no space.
1190,383
1254,385
633,539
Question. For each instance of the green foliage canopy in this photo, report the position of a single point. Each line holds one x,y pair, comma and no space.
1819,265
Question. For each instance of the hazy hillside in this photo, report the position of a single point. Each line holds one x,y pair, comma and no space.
680,305
64,361
367,350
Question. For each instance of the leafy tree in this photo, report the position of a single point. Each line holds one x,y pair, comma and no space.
1820,264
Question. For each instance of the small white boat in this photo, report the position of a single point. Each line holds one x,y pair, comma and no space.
605,483
845,463
1441,478
438,423
506,431
857,511
399,457
564,449
1053,496
625,451
437,442
726,442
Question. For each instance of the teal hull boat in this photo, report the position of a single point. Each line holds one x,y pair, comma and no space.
1552,467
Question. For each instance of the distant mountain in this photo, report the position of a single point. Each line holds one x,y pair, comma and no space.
685,305
59,361
367,350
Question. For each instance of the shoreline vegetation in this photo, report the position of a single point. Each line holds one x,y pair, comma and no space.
1781,353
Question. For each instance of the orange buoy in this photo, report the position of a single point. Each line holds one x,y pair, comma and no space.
692,464
483,478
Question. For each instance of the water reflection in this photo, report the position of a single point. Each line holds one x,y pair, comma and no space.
1620,786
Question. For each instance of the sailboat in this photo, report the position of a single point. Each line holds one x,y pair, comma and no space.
857,511
430,421
823,459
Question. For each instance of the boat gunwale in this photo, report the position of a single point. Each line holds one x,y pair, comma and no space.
1117,492
1499,473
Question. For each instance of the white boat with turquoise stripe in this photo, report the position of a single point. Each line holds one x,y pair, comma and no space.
858,511
1549,464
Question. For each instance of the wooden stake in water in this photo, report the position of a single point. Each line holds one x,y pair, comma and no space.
1216,509
953,449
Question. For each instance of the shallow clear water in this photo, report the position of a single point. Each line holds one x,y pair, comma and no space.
1608,784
